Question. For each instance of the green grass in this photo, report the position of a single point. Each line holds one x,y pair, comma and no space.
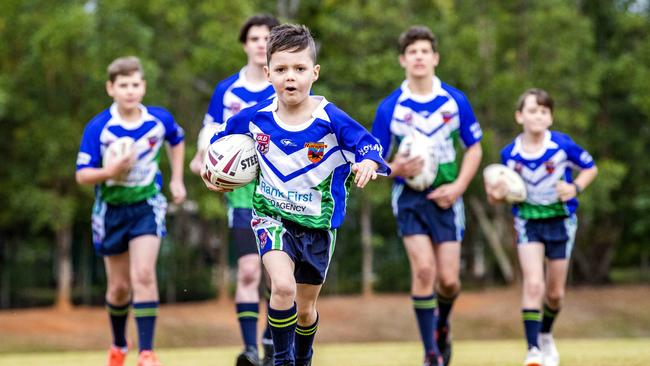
592,352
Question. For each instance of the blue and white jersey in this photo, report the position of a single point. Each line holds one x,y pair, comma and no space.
305,170
542,170
144,180
234,94
444,116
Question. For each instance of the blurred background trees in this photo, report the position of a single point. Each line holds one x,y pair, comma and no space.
593,57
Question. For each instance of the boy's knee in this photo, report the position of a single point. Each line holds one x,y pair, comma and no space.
554,298
283,290
249,275
118,293
448,286
144,277
424,275
534,289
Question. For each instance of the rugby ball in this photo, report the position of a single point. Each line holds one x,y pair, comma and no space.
116,150
417,144
495,173
231,161
205,135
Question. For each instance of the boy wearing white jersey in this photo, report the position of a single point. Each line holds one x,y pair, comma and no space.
128,218
432,222
239,91
310,152
546,222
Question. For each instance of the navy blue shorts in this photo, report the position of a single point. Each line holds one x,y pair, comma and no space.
115,225
310,249
418,215
557,234
242,237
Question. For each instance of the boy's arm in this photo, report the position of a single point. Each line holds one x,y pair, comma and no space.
446,194
89,159
91,175
176,185
581,159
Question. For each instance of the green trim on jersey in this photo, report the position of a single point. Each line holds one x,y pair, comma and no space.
447,173
265,207
124,195
534,212
242,197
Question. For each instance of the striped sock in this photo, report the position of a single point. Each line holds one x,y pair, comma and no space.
247,313
425,312
548,318
444,309
283,330
118,315
145,316
304,342
532,324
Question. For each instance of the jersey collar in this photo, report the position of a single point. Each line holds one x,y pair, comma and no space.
436,89
144,116
547,144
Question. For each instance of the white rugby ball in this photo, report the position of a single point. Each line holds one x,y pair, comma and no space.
495,173
116,150
417,144
231,161
205,135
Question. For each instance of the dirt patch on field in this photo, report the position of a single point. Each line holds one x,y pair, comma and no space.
600,312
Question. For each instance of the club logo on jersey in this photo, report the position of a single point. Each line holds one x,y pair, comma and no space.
263,141
447,116
315,151
550,167
235,107
153,141
519,167
263,236
408,119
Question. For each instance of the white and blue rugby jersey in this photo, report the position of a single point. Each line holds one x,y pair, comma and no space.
542,170
305,170
230,96
144,179
444,116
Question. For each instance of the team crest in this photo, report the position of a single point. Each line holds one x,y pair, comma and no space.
408,119
315,151
519,167
235,107
447,116
153,141
263,141
550,167
263,237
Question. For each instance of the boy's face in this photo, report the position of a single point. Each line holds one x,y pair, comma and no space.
292,74
127,90
419,60
255,46
533,117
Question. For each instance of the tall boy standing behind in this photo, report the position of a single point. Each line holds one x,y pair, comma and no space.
308,151
239,91
129,213
431,222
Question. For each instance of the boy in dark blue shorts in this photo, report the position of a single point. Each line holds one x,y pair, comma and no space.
128,217
431,222
242,90
546,222
310,152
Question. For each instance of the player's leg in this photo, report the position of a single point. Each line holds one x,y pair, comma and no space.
419,250
317,249
447,255
249,273
562,235
118,297
282,315
531,259
307,326
144,254
110,228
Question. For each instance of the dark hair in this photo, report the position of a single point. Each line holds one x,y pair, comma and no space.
256,20
541,96
416,33
124,66
292,38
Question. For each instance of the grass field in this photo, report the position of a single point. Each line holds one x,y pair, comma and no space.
574,352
